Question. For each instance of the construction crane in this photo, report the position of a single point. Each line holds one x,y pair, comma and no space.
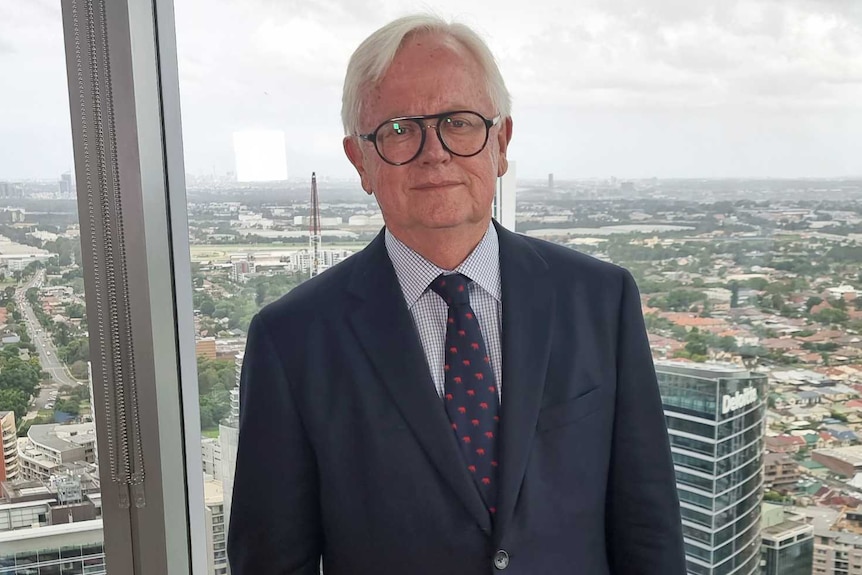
314,237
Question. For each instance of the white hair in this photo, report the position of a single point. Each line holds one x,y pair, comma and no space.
373,57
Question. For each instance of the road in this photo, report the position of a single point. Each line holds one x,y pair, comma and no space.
57,370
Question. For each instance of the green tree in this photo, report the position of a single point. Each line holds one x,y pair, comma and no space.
62,336
69,406
727,343
18,374
13,400
79,370
75,310
696,345
831,316
78,349
207,307
777,302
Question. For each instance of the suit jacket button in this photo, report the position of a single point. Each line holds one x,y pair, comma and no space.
501,559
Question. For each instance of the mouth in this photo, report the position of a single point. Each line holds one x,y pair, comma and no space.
436,185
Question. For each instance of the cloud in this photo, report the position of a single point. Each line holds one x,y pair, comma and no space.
760,79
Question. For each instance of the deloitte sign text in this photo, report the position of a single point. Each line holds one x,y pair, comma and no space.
739,399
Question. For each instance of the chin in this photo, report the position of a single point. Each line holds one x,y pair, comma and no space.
450,221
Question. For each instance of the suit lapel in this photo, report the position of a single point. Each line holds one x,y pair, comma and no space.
385,330
528,309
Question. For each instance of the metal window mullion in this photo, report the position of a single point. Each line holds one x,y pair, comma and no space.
117,128
82,55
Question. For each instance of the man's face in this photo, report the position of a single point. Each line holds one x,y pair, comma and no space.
437,190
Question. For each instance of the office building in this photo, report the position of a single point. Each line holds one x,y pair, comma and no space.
211,457
228,435
837,553
780,472
788,543
715,418
64,548
205,347
67,186
50,449
10,191
8,446
216,528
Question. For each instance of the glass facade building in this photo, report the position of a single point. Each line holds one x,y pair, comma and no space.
715,419
66,549
788,549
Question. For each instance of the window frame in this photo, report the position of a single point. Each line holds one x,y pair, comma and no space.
127,139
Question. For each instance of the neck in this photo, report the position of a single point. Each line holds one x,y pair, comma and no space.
446,248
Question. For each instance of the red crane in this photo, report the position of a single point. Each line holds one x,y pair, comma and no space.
314,237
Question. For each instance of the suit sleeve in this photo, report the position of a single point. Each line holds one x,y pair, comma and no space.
643,517
275,525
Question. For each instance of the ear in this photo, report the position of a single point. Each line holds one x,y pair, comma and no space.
354,152
504,135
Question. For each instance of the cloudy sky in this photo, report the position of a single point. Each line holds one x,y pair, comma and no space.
626,88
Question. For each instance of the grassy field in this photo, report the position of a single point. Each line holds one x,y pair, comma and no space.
210,433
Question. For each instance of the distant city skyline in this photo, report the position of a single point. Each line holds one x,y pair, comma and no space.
632,89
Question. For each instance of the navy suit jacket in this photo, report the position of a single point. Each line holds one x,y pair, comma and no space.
346,451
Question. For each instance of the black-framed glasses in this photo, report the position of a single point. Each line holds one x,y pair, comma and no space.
462,133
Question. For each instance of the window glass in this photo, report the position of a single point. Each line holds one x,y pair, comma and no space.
49,460
710,147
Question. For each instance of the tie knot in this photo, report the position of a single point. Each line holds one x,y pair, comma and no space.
452,288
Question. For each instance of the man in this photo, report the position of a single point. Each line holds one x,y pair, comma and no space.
454,399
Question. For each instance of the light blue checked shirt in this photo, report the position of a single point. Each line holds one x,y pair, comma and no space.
429,311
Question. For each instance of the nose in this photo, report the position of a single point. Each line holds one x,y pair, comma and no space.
433,150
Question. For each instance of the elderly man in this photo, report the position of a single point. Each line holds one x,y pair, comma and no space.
455,398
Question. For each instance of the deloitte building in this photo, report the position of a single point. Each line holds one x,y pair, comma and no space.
715,418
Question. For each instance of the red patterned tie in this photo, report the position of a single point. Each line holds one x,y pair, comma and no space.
470,390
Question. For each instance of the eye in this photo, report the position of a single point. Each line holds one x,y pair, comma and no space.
460,122
399,129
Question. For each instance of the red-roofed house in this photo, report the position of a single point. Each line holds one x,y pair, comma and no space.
784,444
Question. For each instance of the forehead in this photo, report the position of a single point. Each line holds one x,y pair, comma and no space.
429,74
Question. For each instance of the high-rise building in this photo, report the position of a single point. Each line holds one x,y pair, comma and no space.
216,528
211,458
550,181
205,347
8,446
780,472
10,191
48,449
837,553
64,548
788,545
67,188
504,207
92,417
715,418
228,435
837,542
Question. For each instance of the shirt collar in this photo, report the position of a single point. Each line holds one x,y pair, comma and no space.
415,273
